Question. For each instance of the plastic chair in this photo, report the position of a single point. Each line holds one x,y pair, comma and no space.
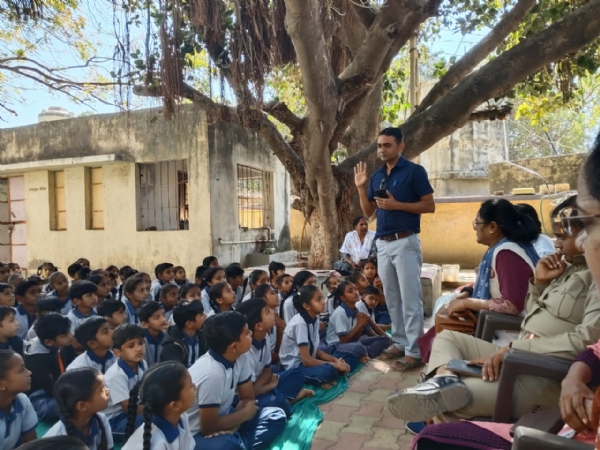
530,439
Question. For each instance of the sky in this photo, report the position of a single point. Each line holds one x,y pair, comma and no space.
37,98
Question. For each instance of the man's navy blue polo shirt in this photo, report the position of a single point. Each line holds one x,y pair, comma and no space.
407,182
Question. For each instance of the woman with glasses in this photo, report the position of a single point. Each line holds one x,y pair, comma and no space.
577,226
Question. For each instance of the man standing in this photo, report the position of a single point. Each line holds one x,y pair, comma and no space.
399,192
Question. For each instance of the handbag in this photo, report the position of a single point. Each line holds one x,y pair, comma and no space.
463,321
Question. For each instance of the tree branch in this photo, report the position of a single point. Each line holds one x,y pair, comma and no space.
304,26
281,112
491,114
509,22
494,79
364,12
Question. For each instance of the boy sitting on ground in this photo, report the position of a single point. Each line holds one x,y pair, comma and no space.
184,342
95,336
27,294
153,320
164,275
44,359
114,311
45,305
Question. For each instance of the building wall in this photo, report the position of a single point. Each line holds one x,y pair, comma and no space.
230,145
147,138
555,169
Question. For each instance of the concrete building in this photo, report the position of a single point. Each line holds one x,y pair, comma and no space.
54,113
132,188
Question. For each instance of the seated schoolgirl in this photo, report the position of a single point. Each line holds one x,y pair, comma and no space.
331,283
210,277
300,343
222,298
18,419
276,269
190,293
382,314
81,394
255,279
166,392
284,286
266,292
287,309
350,330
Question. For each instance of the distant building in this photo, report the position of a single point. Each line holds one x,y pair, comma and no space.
54,113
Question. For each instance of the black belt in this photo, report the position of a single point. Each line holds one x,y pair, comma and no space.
396,236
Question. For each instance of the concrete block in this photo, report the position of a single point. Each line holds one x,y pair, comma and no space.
431,284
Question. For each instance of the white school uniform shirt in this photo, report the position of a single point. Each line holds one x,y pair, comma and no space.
31,334
25,321
120,380
65,306
205,298
239,295
77,318
132,316
94,440
21,420
90,359
300,331
164,435
258,357
153,347
341,322
288,309
217,380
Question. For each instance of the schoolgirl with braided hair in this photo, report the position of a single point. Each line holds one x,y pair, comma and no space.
221,298
81,394
210,277
165,393
255,279
302,278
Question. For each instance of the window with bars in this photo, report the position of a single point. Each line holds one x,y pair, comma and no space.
95,204
255,197
163,196
58,202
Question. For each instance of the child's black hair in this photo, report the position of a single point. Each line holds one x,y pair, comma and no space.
339,292
216,291
53,276
126,332
73,269
186,311
208,275
88,329
147,310
209,260
22,288
200,272
274,266
84,273
159,386
49,303
280,278
50,326
13,266
108,307
252,309
79,288
54,442
163,291
355,276
72,387
178,268
221,330
371,290
126,271
183,291
233,271
253,279
4,286
304,296
48,264
5,357
96,278
131,283
112,268
299,279
99,272
5,311
159,269
261,291
370,260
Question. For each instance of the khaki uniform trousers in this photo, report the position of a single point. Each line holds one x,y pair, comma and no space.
529,391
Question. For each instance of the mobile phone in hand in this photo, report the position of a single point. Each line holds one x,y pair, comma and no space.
381,193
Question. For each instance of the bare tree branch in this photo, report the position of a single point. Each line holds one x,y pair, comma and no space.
364,12
281,112
490,114
494,79
509,22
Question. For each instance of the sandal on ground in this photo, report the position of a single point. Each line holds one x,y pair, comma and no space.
403,365
389,354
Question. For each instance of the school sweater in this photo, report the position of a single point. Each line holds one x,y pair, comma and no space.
164,435
45,364
21,420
